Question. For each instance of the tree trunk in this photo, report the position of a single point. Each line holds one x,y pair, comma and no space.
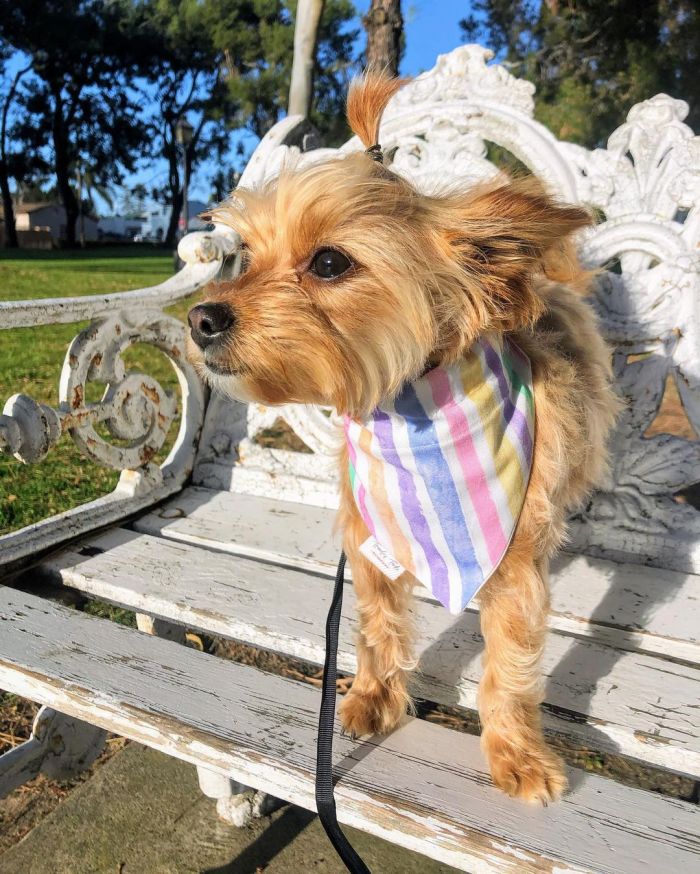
384,26
176,189
63,174
11,241
305,37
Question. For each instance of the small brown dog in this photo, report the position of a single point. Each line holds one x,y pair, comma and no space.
354,285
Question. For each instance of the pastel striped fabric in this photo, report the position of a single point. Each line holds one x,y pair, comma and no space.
440,474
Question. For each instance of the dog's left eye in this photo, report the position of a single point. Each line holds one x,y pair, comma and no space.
329,263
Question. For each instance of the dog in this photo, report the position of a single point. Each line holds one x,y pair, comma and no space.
353,287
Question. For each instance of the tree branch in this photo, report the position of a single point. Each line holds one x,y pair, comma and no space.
6,108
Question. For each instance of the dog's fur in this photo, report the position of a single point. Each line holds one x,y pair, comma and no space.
430,274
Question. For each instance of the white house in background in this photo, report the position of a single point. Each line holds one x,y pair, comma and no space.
155,226
51,218
117,227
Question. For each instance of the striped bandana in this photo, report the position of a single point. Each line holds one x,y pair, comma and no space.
439,476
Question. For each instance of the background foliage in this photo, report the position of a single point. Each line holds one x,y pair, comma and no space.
592,60
105,83
96,87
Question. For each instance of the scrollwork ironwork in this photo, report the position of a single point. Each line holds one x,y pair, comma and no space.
136,411
646,186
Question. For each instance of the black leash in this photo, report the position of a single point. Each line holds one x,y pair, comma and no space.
325,802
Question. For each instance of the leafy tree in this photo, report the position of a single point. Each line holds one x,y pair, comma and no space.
223,182
110,79
91,188
591,60
36,190
132,203
224,65
76,97
184,82
257,59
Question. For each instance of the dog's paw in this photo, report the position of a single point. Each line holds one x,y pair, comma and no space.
371,713
536,775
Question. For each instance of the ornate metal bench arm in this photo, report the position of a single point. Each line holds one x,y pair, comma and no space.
135,409
202,253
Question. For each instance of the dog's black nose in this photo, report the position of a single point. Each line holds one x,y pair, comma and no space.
208,322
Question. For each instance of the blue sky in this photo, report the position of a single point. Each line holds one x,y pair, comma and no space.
431,27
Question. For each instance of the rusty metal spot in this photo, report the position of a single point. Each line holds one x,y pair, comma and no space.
77,400
146,453
150,392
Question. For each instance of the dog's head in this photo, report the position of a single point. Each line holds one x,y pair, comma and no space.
353,282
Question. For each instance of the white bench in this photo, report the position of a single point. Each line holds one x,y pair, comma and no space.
234,539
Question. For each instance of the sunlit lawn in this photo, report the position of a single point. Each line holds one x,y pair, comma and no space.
31,359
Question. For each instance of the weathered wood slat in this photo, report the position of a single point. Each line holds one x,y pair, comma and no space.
18,548
293,534
424,786
629,606
604,698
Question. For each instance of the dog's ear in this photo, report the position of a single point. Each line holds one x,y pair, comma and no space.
367,99
501,234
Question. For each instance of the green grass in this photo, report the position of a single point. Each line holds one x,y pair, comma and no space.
31,359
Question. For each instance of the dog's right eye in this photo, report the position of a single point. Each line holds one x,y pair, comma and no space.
329,264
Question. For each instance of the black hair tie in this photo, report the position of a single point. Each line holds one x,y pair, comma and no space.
375,153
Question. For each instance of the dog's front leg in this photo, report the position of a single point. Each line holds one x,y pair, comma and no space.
378,697
514,606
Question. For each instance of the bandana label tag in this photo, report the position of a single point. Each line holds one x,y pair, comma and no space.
373,551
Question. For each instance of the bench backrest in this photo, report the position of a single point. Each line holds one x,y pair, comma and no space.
645,187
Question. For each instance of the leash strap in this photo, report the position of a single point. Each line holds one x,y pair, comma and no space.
325,802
